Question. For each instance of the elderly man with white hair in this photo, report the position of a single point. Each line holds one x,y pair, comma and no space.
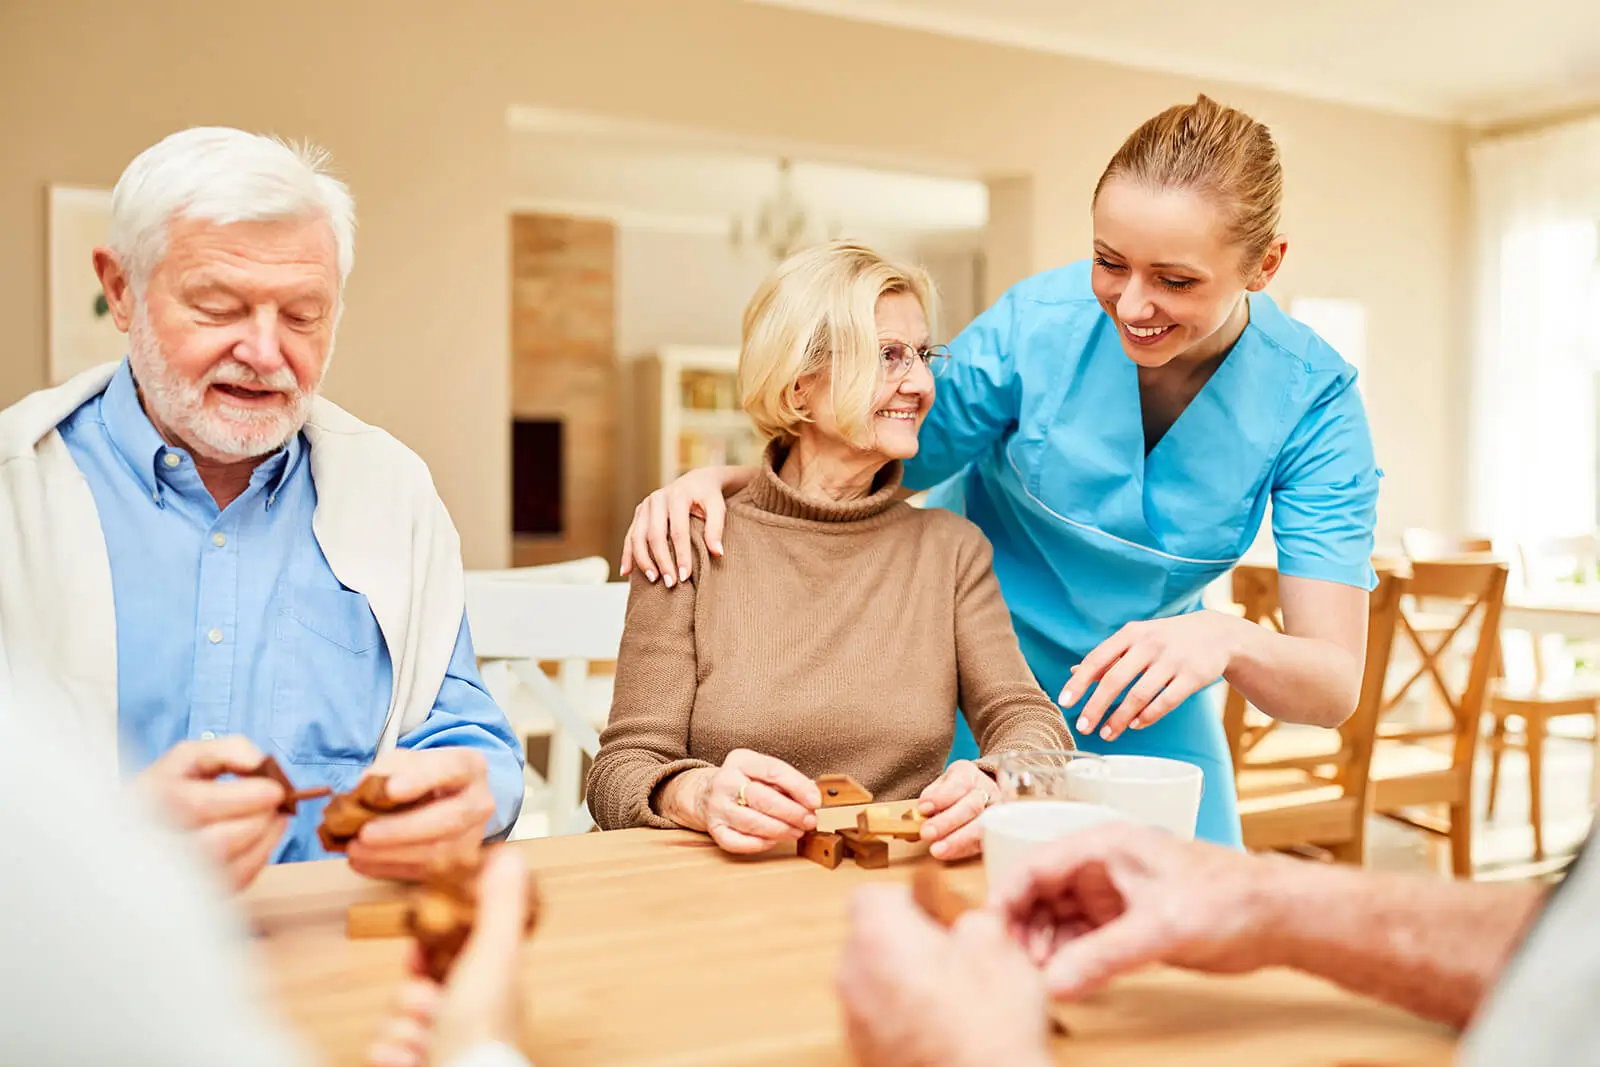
202,561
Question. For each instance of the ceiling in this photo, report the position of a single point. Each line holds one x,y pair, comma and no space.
651,179
1476,61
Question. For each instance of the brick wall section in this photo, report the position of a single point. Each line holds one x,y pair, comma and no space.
564,365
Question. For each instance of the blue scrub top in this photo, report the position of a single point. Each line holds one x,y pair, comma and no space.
1037,436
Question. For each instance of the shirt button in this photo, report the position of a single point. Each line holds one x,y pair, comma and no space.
208,736
219,539
215,636
171,459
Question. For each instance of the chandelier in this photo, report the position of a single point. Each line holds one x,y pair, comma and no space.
781,225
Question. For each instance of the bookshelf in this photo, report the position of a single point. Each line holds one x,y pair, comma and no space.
685,407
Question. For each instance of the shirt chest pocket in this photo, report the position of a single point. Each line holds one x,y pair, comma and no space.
331,694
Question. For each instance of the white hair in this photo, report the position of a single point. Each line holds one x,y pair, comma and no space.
223,175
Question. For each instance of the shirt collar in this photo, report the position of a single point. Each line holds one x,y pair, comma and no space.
130,430
135,437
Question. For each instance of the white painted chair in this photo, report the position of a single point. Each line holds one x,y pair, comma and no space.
519,624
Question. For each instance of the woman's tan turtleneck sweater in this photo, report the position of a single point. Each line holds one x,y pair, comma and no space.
838,637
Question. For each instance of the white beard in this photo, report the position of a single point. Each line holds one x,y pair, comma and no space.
222,432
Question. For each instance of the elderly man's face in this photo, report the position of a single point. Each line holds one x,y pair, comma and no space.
233,335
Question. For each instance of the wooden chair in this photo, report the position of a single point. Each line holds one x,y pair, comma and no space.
1416,766
1284,806
1521,710
519,625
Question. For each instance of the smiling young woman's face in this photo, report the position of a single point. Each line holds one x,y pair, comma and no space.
1165,270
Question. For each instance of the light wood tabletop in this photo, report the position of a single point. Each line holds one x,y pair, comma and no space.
655,949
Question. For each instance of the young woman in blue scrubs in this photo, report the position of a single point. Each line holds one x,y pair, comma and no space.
1117,428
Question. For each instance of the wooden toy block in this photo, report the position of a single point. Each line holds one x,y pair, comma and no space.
828,850
269,768
443,909
841,789
378,918
871,853
886,822
942,902
347,813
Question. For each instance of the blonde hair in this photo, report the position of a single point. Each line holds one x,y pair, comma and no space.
816,314
1215,150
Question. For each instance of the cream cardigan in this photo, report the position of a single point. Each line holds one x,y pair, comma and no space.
378,519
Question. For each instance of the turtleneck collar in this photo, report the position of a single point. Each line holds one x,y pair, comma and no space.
769,493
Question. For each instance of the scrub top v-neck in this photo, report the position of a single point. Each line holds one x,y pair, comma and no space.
1037,436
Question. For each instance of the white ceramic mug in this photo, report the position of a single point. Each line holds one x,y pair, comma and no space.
1012,831
1147,789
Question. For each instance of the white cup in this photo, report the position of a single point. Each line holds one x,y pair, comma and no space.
1158,792
1012,831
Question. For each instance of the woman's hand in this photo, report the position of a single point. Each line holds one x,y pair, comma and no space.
1165,662
658,538
747,805
953,803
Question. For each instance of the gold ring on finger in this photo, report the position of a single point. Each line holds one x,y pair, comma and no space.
742,800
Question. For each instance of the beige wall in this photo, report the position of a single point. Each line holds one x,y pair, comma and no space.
412,101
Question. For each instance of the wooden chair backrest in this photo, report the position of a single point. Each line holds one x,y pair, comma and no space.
1472,593
1255,589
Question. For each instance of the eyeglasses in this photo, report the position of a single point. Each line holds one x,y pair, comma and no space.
898,359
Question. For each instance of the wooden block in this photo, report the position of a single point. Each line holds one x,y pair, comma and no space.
828,850
841,789
871,853
886,822
937,897
378,918
944,904
270,768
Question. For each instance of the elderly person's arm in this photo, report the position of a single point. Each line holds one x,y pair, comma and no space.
999,696
645,744
645,774
1115,898
465,758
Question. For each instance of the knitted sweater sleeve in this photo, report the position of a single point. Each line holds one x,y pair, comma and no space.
1002,702
646,740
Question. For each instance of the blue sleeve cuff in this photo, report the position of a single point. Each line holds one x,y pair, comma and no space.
1361,575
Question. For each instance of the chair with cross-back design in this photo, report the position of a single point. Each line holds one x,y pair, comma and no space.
1421,765
1417,765
1285,806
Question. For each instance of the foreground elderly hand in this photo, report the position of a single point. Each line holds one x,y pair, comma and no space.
914,995
748,805
1117,897
953,803
481,1003
236,820
454,783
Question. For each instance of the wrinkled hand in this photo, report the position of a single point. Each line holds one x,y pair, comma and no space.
658,538
481,1002
953,803
1166,662
236,820
454,818
916,996
1116,897
780,802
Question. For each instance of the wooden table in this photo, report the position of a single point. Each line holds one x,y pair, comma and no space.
656,950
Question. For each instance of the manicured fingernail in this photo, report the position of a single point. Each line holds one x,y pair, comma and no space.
683,574
1106,733
1083,724
716,546
669,581
650,574
926,807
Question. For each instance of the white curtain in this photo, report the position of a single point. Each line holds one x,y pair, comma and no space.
1536,361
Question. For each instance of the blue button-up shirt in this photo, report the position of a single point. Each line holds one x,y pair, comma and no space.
230,621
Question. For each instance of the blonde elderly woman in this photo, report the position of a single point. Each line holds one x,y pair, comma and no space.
842,628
